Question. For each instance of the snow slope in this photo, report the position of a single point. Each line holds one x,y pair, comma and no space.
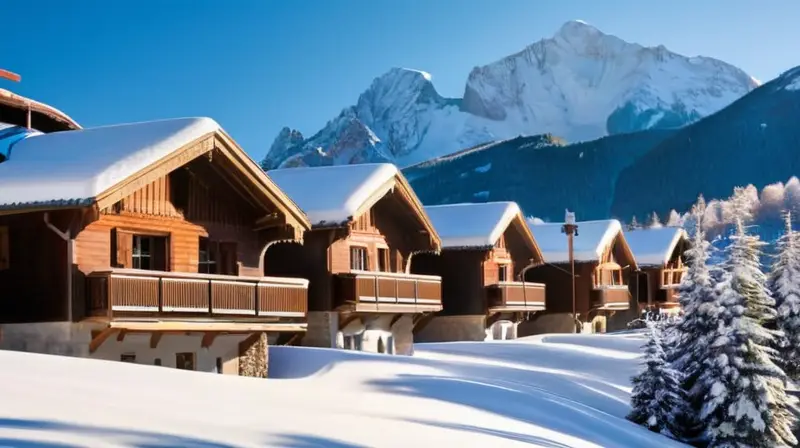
581,84
551,391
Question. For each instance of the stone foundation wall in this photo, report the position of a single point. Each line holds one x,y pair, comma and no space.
254,360
547,323
453,328
322,330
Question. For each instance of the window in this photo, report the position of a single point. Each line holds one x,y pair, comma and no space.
358,259
184,361
207,258
502,273
139,251
157,362
5,249
127,357
383,259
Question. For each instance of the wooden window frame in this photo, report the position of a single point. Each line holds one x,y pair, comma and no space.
365,264
504,268
211,262
384,257
5,248
134,232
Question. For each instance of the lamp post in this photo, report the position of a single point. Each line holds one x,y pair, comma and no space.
571,229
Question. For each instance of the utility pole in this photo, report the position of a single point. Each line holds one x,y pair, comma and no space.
570,227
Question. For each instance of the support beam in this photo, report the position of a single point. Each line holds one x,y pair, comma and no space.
121,335
394,320
155,338
97,340
208,339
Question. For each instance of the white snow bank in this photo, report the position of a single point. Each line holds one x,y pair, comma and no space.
592,238
332,194
654,247
552,391
471,225
77,166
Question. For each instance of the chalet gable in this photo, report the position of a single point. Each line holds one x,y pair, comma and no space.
655,246
480,225
98,167
596,242
336,196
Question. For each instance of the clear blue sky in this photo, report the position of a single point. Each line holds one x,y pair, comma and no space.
258,65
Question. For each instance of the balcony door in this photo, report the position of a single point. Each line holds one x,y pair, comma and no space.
216,257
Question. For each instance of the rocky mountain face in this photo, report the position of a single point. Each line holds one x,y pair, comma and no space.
753,141
581,84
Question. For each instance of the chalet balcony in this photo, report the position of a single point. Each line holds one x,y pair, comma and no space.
121,293
611,297
516,296
388,292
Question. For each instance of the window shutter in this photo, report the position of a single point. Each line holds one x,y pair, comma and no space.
5,249
123,249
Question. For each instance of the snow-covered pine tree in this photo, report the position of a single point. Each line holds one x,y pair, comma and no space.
657,390
746,404
702,313
634,224
674,219
784,283
655,222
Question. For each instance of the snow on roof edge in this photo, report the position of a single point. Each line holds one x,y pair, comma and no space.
348,187
655,256
479,238
554,253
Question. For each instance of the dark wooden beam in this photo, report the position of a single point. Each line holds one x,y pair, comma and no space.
155,338
208,339
99,338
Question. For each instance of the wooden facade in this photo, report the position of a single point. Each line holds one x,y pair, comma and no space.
177,248
359,269
601,285
658,284
486,280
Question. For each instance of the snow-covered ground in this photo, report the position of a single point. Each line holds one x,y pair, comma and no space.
550,391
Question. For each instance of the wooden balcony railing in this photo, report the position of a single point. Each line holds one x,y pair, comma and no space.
671,277
516,296
615,297
388,292
132,292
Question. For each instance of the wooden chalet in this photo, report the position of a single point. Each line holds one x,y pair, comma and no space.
145,243
485,248
659,253
603,266
367,227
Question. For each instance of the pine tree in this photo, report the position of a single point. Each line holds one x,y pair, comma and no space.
784,283
634,224
674,219
746,404
656,389
702,313
655,222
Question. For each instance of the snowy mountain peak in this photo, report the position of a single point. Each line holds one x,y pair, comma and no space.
580,84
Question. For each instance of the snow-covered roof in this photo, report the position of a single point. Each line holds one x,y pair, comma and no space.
471,225
654,247
333,194
74,167
593,237
14,101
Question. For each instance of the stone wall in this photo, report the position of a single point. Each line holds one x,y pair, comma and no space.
453,328
254,359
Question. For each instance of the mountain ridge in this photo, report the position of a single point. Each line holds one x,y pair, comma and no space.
580,84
